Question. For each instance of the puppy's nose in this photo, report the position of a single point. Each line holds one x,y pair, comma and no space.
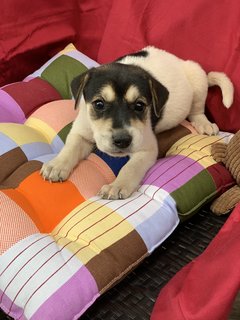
122,140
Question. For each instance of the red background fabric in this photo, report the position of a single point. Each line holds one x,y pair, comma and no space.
30,33
202,30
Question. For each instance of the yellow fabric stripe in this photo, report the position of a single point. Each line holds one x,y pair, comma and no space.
22,134
42,127
91,228
68,48
196,147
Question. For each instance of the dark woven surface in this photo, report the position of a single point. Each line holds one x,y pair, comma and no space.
134,297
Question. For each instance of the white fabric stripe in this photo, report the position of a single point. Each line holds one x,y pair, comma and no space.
143,204
37,270
159,194
10,256
81,57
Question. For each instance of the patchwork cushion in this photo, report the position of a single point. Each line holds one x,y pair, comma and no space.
70,246
62,246
51,82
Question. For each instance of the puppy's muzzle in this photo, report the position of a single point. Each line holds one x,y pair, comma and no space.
122,140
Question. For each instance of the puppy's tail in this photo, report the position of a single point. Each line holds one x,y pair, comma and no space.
220,79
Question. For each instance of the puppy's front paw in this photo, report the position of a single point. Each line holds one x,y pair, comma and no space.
55,170
114,191
203,126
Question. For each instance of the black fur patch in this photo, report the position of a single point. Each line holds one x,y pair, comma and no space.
121,77
142,53
154,118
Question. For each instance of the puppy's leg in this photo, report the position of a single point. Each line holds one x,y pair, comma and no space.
59,168
199,83
76,148
130,175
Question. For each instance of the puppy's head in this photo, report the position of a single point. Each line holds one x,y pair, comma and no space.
123,102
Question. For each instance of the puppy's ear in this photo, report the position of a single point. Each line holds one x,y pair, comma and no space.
77,86
159,96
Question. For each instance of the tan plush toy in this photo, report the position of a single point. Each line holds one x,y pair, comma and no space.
229,155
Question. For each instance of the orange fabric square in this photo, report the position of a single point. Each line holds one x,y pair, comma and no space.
46,203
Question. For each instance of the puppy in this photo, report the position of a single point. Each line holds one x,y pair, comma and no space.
122,105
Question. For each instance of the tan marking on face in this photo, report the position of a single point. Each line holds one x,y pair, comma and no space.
102,125
140,124
102,133
108,93
132,94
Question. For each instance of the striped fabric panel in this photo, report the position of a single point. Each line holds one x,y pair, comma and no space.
15,223
172,172
139,211
91,229
188,173
90,250
36,270
193,143
145,214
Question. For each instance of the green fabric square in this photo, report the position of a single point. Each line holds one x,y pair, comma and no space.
193,194
61,72
64,132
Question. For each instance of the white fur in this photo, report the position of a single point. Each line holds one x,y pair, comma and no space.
221,80
187,84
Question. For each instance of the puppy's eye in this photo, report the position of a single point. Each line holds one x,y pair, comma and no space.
139,106
99,105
